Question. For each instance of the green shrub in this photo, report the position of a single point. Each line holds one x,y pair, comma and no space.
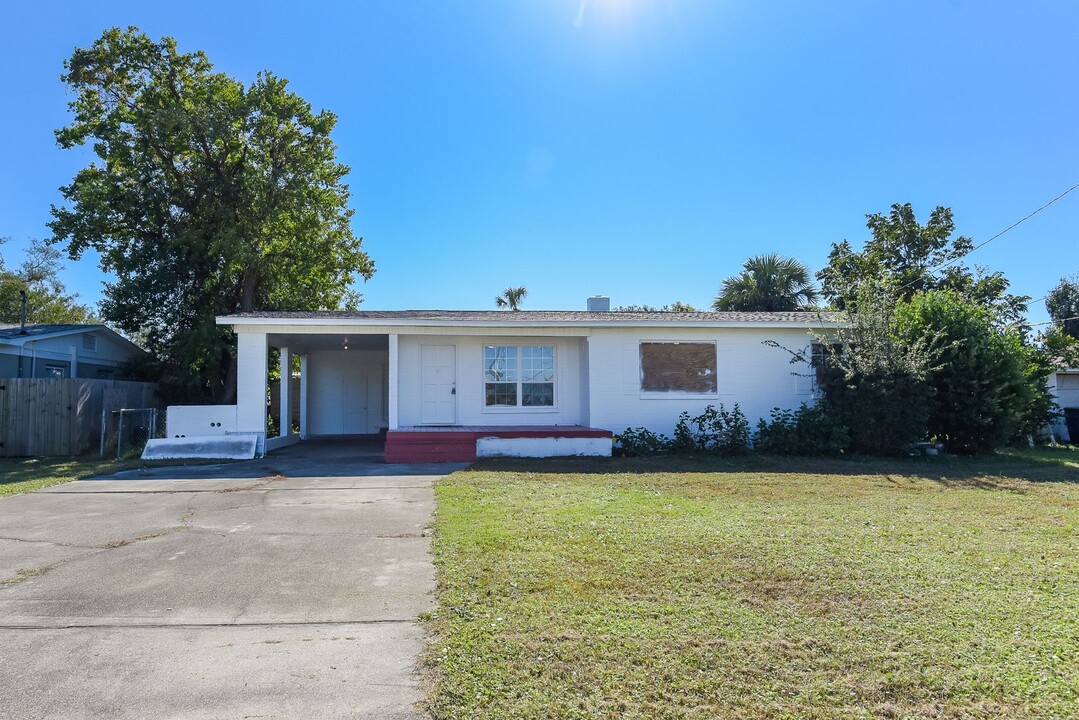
719,432
684,440
980,394
642,442
809,430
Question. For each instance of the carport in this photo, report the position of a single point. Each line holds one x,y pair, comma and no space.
338,382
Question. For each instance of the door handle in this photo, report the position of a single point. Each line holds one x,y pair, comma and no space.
453,390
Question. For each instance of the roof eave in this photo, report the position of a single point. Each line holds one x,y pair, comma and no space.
21,340
237,320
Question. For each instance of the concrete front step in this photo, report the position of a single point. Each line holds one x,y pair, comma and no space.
450,444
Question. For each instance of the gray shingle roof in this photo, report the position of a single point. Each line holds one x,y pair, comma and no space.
9,330
540,316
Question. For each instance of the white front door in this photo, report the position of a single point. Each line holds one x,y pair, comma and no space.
438,384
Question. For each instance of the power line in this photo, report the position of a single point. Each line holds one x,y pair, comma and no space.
1015,224
1054,322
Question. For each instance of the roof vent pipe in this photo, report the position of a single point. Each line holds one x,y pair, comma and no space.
599,303
22,312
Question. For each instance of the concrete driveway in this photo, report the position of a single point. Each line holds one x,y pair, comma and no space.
286,587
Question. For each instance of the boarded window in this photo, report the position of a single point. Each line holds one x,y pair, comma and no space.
678,367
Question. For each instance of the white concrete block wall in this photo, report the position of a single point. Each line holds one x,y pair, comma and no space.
470,390
199,420
750,373
251,383
543,447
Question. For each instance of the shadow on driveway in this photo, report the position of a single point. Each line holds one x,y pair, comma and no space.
323,458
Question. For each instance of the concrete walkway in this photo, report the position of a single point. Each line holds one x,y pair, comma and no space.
282,588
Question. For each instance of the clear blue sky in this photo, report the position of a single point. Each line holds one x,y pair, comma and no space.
636,148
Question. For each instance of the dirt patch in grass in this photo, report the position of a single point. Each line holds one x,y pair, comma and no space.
687,588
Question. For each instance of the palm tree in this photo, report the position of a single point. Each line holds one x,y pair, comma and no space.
511,298
767,283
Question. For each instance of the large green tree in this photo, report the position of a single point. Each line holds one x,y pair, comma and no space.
767,283
1062,302
47,301
207,197
903,257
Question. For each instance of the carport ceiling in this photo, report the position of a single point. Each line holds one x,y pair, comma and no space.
303,343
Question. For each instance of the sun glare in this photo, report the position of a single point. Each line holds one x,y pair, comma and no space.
601,10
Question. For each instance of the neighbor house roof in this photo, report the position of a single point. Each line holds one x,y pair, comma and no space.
14,330
14,334
528,317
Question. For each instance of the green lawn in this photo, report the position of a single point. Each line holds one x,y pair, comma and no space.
758,588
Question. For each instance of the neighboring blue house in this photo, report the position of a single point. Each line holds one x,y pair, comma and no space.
63,351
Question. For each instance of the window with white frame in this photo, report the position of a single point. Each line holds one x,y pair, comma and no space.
678,367
518,375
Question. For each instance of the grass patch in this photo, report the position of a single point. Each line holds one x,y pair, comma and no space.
21,475
758,588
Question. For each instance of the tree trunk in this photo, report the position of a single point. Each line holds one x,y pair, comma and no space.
249,290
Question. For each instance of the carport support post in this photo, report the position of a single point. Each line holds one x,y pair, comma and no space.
303,396
391,380
284,390
251,386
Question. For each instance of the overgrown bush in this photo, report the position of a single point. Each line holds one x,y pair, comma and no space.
717,432
980,395
809,430
720,432
874,382
642,442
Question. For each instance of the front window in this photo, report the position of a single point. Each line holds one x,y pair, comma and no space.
678,367
518,376
55,371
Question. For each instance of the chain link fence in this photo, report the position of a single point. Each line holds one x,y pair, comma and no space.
127,430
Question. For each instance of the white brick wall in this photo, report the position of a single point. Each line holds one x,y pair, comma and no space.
470,392
600,389
251,382
750,373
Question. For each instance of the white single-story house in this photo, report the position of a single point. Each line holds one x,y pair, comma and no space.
64,351
451,385
1064,385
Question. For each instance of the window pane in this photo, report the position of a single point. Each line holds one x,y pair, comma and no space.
500,364
537,364
500,393
678,367
537,394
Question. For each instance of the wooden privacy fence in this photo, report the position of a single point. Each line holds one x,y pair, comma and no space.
48,416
